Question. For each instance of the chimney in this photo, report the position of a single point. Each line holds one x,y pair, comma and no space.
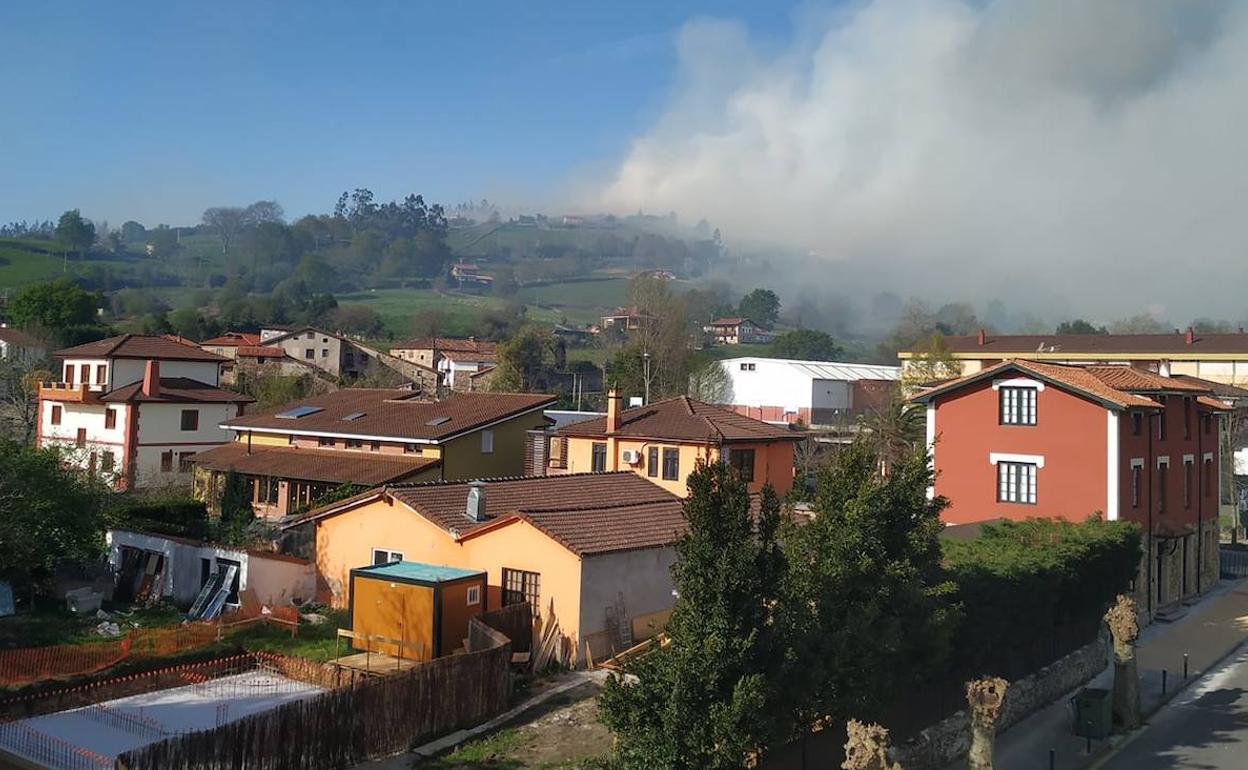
476,500
151,379
1190,337
613,411
982,337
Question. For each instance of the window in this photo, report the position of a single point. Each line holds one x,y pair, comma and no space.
69,374
598,458
186,462
1016,483
487,442
671,463
166,462
1161,420
85,377
1187,482
223,566
264,490
107,461
1137,423
375,446
474,595
324,352
747,367
353,443
311,335
56,414
110,419
1018,406
1208,476
309,352
81,438
100,373
1163,469
652,462
324,441
742,460
383,556
1135,486
521,586
190,419
1187,417
412,449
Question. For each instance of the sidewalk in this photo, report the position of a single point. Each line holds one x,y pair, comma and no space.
1211,630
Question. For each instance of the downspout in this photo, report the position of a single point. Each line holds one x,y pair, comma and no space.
1149,462
1200,506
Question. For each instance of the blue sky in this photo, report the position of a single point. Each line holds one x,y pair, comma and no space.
156,110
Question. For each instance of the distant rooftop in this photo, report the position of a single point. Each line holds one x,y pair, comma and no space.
1178,344
827,370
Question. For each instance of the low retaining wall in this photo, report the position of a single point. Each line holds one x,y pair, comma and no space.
942,743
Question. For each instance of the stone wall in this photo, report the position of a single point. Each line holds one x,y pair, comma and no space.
944,742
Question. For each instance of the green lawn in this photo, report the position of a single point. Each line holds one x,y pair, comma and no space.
581,302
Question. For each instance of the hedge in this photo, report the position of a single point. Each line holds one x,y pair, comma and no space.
1032,591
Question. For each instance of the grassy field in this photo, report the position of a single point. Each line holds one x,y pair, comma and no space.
581,302
396,307
522,240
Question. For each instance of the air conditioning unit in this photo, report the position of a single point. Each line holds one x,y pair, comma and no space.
631,456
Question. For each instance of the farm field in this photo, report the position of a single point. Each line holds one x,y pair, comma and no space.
463,311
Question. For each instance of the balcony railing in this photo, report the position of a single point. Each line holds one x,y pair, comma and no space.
63,391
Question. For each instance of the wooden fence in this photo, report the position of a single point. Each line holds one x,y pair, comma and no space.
515,621
371,718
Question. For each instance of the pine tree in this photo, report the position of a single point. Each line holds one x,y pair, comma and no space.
713,696
236,511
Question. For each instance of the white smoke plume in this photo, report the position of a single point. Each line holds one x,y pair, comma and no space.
1085,156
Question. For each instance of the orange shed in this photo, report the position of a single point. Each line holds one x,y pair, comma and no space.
413,603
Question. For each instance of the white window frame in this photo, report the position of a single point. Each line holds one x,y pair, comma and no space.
390,556
1017,482
1017,404
474,595
1137,477
487,442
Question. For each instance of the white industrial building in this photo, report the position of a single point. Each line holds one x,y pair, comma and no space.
811,392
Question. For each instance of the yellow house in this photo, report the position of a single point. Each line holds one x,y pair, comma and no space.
590,552
364,436
665,441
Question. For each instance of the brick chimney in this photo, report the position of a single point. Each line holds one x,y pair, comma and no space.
1190,336
614,404
982,337
151,379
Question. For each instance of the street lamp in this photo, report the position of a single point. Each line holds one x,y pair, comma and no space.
645,358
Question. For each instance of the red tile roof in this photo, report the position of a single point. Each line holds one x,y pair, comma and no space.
1117,386
329,465
587,513
233,338
729,321
1162,345
448,345
19,338
394,414
460,355
260,351
138,346
686,420
179,390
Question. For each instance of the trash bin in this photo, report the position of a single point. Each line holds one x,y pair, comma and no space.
1093,712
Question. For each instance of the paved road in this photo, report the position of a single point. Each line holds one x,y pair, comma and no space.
1205,727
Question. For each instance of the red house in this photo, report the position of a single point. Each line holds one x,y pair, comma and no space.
1023,439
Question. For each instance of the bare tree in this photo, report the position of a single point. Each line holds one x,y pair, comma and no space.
227,222
19,397
264,211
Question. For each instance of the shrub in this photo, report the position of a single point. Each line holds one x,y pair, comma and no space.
1032,591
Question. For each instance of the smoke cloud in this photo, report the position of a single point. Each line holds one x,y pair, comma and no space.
1065,156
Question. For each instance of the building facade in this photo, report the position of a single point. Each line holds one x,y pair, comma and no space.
1026,439
737,331
136,410
293,455
591,552
1216,357
665,441
809,392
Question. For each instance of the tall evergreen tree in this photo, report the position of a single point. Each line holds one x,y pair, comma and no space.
709,699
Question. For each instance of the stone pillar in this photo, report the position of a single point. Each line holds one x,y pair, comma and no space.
867,748
985,697
1124,627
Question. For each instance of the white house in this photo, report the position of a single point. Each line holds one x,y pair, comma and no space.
813,392
457,366
136,409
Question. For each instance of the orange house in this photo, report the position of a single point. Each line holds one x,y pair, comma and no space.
590,552
664,442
